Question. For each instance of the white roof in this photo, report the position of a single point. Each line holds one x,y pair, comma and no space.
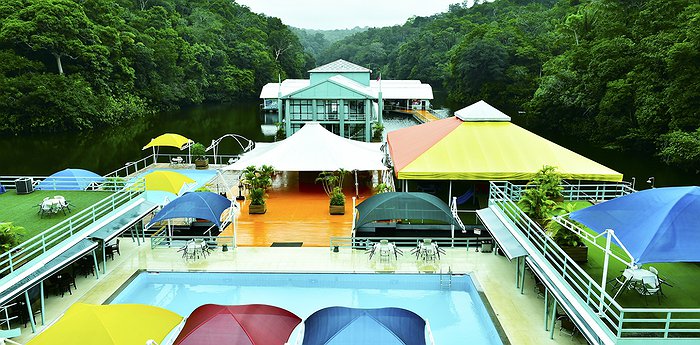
391,89
481,111
353,85
313,148
340,66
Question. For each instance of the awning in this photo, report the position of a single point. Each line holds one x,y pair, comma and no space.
124,222
70,179
169,139
204,205
313,148
386,326
508,244
483,149
43,268
403,205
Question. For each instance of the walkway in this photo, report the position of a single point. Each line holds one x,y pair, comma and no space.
420,115
520,315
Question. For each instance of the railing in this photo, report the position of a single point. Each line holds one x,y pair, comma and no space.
622,322
60,183
367,242
39,244
588,192
161,239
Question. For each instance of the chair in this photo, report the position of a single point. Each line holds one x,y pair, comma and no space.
567,326
176,161
45,208
62,203
112,248
648,286
62,282
85,267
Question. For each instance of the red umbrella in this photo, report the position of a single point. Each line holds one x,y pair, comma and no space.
254,324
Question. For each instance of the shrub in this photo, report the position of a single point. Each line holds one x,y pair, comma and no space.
198,151
337,197
10,236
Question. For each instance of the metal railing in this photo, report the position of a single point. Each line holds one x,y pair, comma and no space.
161,239
65,183
622,322
39,244
367,242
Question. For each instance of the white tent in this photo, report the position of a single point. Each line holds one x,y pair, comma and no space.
313,148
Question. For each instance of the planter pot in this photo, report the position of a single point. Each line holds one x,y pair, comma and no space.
201,163
257,209
578,254
337,209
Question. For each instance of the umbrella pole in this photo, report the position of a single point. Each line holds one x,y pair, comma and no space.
610,234
357,194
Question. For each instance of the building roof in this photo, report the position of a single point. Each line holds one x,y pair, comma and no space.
340,66
481,111
391,89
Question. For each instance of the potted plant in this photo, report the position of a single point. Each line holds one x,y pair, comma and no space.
10,236
382,188
257,180
332,182
198,154
540,203
377,132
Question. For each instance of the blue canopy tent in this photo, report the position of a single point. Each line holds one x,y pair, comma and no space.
70,179
654,225
203,205
387,326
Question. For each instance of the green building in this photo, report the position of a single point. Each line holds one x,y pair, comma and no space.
341,96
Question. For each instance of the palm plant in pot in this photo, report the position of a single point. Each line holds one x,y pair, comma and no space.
332,182
198,154
258,180
539,202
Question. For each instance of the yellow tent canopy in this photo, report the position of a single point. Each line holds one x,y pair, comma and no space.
118,324
169,139
167,181
455,149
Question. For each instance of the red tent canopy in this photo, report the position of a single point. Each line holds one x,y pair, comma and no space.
254,324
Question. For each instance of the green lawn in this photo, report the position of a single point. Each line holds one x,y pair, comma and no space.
22,210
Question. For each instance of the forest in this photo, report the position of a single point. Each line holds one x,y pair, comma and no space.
620,74
72,65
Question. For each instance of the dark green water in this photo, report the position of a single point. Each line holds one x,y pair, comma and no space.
107,150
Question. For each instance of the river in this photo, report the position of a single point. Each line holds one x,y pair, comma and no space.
107,150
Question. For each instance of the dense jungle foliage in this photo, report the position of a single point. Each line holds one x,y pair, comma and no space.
619,73
70,65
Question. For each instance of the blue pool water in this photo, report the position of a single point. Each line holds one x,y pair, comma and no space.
201,177
455,314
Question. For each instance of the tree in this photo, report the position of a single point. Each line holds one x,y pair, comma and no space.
59,27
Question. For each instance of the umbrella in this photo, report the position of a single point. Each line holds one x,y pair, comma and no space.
654,225
204,205
254,324
70,179
168,181
386,326
169,139
121,324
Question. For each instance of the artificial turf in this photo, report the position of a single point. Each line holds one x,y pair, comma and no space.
23,210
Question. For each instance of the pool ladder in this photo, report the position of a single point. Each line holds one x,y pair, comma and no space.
446,279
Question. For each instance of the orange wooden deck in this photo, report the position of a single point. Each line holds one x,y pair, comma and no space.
297,211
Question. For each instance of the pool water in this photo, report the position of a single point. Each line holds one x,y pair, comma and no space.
456,314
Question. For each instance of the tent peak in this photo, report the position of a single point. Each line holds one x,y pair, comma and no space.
481,112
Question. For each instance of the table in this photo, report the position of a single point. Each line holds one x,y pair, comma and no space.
631,277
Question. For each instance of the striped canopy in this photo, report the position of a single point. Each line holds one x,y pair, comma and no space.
454,149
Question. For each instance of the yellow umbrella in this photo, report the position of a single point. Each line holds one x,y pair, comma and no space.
118,324
169,139
168,181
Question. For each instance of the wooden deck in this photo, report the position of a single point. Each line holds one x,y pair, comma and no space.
420,115
297,211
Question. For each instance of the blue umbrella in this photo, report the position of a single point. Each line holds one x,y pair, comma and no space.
341,325
654,225
70,179
203,205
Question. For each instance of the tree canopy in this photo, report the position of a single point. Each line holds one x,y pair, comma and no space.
622,74
74,65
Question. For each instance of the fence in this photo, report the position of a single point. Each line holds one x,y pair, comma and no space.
161,239
623,322
367,242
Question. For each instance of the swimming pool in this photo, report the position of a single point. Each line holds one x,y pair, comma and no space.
455,313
